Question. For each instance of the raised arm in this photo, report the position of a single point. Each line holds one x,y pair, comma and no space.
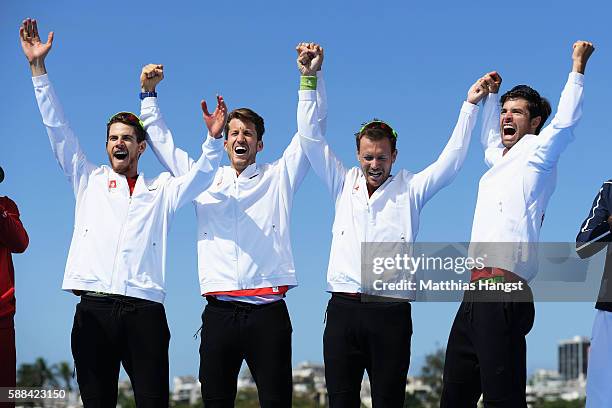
200,176
312,118
12,233
555,137
490,136
64,143
192,177
440,173
294,164
175,160
594,233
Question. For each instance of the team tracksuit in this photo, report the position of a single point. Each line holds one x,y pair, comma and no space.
245,265
116,262
371,336
486,351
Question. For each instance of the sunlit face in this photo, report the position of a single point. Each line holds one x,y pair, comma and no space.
515,121
241,144
123,149
376,159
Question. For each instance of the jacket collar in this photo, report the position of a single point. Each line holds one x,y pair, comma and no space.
116,181
251,171
362,185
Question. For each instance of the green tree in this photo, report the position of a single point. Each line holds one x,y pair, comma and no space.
412,401
431,374
559,404
247,398
125,401
38,374
63,371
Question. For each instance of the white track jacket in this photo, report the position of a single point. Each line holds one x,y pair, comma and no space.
391,214
244,221
119,241
514,192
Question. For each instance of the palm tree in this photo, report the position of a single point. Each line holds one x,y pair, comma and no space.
64,372
431,373
38,374
27,376
46,373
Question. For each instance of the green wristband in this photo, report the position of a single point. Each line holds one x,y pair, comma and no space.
308,83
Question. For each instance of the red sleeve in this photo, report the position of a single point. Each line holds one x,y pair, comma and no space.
12,234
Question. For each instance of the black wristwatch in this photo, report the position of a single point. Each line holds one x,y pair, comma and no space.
148,95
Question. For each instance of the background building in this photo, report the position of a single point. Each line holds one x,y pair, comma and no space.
573,358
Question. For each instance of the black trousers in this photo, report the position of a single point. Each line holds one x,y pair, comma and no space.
111,330
374,337
237,331
486,352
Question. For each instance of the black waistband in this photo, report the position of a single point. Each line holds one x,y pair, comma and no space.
110,298
349,297
361,298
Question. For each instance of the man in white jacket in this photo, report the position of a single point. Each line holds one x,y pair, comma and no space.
486,352
116,258
372,205
245,262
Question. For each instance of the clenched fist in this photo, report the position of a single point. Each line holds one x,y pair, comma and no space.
582,50
151,75
493,81
310,58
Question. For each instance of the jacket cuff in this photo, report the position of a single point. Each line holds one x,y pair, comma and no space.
40,80
469,108
491,96
576,77
212,143
149,102
306,95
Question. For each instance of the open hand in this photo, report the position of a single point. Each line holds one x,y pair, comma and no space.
215,122
34,49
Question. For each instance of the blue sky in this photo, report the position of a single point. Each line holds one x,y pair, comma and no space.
406,62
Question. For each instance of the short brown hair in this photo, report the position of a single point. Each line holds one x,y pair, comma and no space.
377,130
130,119
246,115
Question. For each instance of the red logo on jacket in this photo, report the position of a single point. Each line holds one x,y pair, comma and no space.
112,184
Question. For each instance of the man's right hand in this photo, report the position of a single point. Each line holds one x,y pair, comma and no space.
34,50
215,122
150,76
310,58
582,50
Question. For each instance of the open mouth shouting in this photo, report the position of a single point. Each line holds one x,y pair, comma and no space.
375,175
509,130
120,154
240,151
